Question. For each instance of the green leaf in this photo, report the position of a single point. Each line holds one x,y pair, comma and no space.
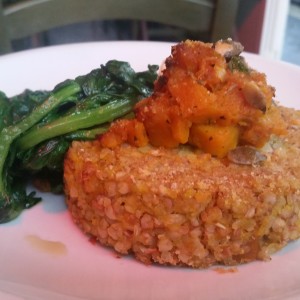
37,127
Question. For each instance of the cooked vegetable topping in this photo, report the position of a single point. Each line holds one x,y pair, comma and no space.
246,155
36,128
228,48
239,64
208,97
254,96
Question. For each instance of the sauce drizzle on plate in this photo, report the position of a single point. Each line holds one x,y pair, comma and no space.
50,247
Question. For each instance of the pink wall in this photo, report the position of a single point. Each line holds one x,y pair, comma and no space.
250,30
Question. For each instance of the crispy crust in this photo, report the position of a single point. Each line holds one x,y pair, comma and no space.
184,207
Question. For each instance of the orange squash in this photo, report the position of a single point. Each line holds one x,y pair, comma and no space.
214,139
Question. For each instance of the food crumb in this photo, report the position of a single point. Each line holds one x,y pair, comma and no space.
93,240
225,270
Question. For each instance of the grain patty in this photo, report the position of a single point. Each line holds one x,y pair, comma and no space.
182,206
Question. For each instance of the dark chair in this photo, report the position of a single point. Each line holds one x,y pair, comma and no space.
28,17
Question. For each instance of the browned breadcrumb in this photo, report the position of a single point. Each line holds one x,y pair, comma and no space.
184,207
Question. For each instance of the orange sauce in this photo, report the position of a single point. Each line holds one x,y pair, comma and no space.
50,247
225,270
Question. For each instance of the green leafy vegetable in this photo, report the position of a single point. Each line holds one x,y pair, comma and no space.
37,127
238,63
13,198
84,119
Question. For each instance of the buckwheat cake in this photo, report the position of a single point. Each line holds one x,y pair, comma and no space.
208,171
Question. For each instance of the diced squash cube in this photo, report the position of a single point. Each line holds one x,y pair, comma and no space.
180,129
137,135
216,140
160,134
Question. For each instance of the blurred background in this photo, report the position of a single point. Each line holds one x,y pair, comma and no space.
268,27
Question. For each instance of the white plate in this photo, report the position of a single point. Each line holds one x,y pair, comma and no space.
77,269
